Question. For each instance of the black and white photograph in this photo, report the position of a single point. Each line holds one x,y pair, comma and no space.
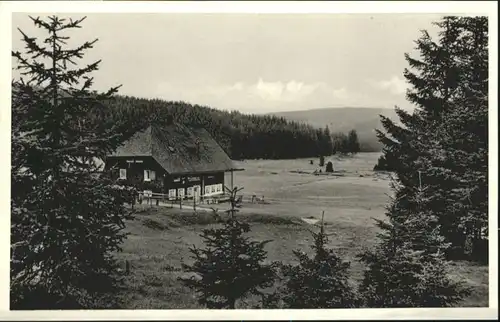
201,160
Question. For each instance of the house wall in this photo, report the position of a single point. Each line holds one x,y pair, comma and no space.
135,167
209,184
213,180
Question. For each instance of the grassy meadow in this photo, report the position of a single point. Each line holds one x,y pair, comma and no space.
160,237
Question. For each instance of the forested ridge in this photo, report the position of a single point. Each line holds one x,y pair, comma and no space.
242,136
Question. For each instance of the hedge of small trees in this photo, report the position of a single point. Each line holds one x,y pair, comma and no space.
406,269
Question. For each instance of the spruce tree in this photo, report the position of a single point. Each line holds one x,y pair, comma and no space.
431,149
329,143
321,281
341,143
66,218
403,278
451,73
231,266
353,142
463,145
461,160
407,268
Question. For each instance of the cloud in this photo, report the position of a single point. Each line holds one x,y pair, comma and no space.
341,93
291,91
395,85
259,96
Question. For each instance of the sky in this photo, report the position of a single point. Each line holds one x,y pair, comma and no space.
253,63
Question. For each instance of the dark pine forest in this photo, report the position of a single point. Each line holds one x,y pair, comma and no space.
242,136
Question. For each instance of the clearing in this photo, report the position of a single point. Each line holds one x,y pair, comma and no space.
160,237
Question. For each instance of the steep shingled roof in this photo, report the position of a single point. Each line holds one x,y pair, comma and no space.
178,149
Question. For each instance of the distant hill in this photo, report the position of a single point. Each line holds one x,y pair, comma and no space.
343,119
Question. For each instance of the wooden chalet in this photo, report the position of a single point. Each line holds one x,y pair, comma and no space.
175,160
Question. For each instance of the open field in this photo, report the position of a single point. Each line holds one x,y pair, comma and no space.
160,237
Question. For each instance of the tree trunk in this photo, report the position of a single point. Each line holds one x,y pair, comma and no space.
232,303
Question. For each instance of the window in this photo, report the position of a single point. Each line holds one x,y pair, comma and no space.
149,175
172,193
123,174
190,191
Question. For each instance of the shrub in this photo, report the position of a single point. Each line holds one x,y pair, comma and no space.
329,167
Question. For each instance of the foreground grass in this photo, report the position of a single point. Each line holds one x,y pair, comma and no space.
160,238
